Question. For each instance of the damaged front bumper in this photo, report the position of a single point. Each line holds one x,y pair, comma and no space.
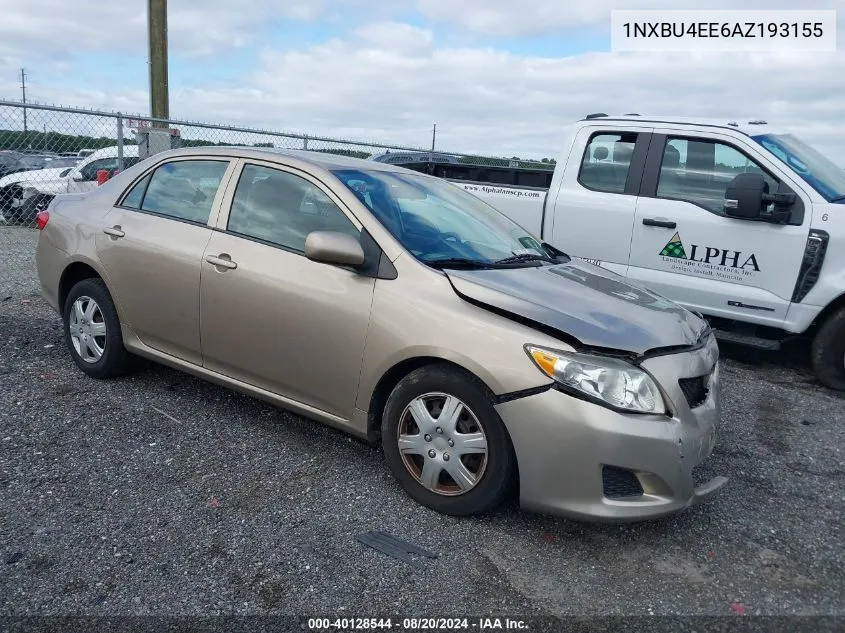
584,461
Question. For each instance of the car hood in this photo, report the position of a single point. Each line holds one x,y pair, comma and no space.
36,175
595,307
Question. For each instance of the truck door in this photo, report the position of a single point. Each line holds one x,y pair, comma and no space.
684,246
594,207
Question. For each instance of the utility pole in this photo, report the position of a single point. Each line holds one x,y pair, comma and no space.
157,35
433,136
23,97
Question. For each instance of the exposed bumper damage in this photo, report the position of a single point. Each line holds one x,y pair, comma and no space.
584,461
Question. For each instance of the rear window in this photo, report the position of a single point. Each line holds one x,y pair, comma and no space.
607,161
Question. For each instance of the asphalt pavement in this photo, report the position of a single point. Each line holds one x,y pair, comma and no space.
162,494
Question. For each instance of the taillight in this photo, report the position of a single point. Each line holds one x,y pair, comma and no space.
41,219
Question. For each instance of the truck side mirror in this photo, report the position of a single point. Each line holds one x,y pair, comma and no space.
744,196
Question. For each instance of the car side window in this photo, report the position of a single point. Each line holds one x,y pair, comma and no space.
281,208
607,161
135,196
184,190
700,171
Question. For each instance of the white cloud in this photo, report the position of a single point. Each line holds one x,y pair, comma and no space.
38,29
531,17
390,82
496,102
396,37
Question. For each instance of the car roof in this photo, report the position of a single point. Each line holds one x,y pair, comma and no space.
320,159
749,127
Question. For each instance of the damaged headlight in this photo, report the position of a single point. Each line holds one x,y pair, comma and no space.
609,380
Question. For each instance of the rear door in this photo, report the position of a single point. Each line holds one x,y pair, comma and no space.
151,246
593,212
684,246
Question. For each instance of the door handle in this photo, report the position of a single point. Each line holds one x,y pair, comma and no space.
114,231
222,260
666,224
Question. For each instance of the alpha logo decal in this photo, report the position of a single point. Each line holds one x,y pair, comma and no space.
709,261
674,248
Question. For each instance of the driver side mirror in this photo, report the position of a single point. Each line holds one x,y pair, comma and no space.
331,247
78,177
744,196
748,198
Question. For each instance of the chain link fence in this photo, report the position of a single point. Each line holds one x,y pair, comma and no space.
48,150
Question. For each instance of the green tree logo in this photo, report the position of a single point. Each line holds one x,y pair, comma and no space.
674,248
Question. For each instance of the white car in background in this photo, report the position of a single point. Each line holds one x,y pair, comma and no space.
22,194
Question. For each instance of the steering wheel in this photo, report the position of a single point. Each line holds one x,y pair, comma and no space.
449,236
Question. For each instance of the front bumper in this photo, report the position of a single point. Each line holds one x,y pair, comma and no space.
566,447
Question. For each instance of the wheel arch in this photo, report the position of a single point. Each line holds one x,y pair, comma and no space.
389,379
73,273
824,315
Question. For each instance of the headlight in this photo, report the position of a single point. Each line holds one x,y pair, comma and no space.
28,192
609,380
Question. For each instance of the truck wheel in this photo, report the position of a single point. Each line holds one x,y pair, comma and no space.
828,352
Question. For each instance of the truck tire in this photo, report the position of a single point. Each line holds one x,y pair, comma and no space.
828,351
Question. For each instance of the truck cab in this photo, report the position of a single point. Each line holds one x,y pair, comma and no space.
739,221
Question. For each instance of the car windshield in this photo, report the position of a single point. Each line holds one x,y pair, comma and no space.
818,171
439,222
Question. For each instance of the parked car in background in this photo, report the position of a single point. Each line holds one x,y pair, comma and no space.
23,194
742,222
401,309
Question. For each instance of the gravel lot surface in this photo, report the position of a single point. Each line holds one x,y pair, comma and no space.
162,494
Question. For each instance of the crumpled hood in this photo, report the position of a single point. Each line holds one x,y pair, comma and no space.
35,175
595,306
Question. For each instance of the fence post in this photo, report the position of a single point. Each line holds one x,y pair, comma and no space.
120,141
305,142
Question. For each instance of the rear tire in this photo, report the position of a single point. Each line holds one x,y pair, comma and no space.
828,351
92,331
475,447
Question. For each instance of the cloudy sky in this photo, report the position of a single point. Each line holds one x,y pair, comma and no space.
501,77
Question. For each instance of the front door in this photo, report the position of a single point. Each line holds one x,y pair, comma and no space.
151,246
685,248
271,317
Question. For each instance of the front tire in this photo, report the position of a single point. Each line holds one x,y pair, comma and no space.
828,352
446,444
92,331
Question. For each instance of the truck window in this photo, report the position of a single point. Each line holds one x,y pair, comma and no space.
699,171
606,162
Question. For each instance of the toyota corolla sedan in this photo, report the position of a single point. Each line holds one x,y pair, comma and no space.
398,308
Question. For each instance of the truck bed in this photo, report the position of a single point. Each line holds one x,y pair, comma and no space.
523,205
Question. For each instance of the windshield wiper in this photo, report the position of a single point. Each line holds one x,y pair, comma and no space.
459,262
524,257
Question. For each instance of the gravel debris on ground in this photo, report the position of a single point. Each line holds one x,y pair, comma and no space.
162,494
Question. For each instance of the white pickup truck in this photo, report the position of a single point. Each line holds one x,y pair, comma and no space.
738,221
